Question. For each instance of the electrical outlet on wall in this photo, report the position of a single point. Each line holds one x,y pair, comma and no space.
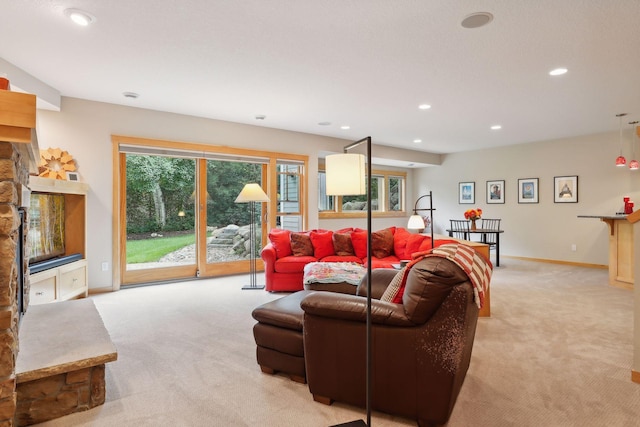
105,266
574,247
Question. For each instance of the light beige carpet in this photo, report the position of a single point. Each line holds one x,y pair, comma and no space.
557,351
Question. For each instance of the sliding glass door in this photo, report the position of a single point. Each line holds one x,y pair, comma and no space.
177,217
160,217
224,239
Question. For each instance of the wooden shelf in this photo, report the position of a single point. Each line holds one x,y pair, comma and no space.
71,280
18,116
18,125
47,185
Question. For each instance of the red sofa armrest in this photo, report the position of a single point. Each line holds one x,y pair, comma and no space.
269,257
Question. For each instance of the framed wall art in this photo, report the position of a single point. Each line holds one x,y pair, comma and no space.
565,189
495,191
467,192
528,190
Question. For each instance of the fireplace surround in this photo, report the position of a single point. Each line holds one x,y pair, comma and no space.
19,153
13,270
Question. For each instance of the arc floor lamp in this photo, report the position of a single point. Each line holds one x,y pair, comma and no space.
416,221
252,194
345,174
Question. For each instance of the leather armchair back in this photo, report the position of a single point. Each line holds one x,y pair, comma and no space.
421,349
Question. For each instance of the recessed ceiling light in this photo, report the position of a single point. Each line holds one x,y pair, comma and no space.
80,17
424,106
558,72
496,127
324,123
345,127
417,141
131,95
477,20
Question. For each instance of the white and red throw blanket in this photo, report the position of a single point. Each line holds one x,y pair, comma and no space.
333,272
477,268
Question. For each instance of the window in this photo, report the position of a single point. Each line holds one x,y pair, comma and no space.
179,199
289,209
387,197
395,190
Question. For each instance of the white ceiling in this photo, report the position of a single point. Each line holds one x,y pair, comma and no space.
363,63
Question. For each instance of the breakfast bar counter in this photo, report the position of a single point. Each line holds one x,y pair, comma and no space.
620,249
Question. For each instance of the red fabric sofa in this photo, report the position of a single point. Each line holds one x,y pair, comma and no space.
288,252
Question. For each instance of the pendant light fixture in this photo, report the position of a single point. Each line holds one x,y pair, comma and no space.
620,161
634,165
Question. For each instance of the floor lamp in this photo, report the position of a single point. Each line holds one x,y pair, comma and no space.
416,222
345,174
252,193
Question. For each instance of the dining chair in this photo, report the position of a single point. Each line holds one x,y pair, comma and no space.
459,229
489,224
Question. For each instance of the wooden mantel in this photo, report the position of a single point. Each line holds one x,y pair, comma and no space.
621,251
18,125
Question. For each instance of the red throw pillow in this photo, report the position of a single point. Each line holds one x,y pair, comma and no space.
281,241
382,243
413,244
400,238
342,244
425,245
301,244
322,242
359,241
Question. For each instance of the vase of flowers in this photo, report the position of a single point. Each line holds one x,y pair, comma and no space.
473,215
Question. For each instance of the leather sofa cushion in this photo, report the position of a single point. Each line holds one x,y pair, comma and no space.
428,284
283,312
293,264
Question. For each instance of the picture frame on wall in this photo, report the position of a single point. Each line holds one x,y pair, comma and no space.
467,192
565,189
528,190
73,176
495,191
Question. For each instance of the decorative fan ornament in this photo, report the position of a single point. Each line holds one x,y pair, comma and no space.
55,163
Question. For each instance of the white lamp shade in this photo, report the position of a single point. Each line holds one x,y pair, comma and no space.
252,193
415,222
345,174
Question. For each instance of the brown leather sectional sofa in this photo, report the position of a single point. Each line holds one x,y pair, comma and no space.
421,348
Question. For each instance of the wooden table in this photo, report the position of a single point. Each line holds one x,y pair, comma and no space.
483,231
482,249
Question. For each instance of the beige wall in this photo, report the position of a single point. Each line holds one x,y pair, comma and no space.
544,230
84,129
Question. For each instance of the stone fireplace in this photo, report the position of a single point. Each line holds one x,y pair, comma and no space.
14,175
40,379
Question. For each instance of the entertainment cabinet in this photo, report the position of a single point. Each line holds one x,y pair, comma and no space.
66,281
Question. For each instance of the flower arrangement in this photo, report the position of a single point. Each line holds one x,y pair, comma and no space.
473,214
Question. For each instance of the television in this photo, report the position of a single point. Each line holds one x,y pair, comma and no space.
46,227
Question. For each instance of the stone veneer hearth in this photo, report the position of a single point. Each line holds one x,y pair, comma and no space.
14,173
